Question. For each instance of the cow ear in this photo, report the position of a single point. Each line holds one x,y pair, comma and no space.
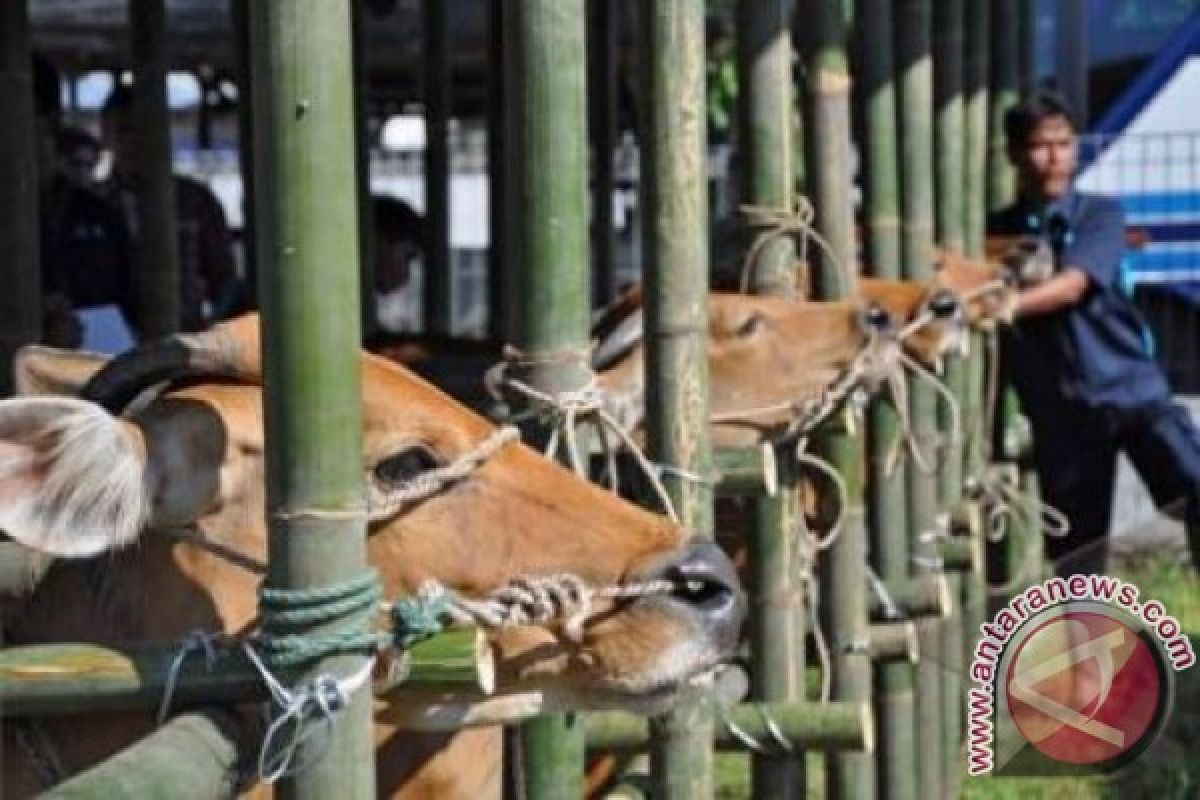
71,477
39,370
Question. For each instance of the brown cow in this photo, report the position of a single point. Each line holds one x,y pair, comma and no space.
768,359
76,479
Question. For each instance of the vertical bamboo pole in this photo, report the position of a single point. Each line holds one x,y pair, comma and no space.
765,108
844,610
158,279
675,255
603,46
886,502
21,301
1005,47
306,202
949,141
975,85
914,28
550,172
437,268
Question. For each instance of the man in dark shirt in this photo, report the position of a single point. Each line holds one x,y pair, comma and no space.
86,258
1076,353
210,288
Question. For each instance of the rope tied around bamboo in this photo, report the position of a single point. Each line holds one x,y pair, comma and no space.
564,412
773,224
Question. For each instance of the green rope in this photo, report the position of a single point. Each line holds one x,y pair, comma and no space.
347,609
417,618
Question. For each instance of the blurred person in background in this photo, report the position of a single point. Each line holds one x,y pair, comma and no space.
86,257
208,274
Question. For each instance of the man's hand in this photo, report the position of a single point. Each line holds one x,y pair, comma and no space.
1062,291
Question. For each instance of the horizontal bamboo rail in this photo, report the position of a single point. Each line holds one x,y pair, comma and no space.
922,595
195,755
804,725
748,470
54,679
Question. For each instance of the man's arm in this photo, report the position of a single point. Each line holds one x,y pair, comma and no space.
1061,291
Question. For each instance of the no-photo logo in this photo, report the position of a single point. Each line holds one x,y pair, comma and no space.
1086,688
1073,676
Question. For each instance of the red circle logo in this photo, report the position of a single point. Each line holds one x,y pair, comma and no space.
1085,688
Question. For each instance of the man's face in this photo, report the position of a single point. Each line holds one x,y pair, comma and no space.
117,131
1046,164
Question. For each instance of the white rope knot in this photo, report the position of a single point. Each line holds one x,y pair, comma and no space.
320,700
776,223
563,599
195,640
564,412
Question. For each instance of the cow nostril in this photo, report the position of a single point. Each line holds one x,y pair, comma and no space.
944,304
701,593
877,318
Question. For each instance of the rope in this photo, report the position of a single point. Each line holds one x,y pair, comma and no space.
285,613
532,600
1005,499
385,504
195,640
780,746
879,589
776,223
321,699
563,413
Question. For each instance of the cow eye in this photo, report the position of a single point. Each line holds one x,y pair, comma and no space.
751,325
406,465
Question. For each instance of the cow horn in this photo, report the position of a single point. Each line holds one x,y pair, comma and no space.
229,350
617,344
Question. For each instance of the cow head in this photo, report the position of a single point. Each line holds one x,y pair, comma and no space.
769,359
79,478
988,289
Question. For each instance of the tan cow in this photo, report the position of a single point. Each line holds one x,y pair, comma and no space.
76,479
769,359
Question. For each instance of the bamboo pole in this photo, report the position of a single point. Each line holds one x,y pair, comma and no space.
844,613
603,48
743,471
842,726
675,254
21,301
765,108
914,28
306,202
437,276
550,173
949,119
192,757
896,774
975,80
158,280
